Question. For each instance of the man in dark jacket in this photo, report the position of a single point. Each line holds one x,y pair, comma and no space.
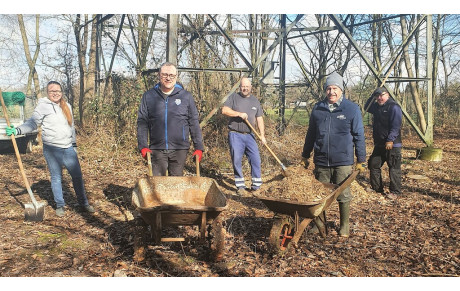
387,120
167,115
335,132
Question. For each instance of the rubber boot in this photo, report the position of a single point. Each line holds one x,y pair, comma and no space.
344,208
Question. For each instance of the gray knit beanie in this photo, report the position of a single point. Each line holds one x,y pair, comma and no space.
334,79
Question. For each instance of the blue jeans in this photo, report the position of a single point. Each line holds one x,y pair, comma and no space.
240,145
56,158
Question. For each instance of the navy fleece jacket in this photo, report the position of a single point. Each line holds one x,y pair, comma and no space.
334,135
169,121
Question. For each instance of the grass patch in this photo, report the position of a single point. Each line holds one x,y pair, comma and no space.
300,116
49,237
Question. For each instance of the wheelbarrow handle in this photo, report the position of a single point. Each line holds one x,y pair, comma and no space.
149,163
197,166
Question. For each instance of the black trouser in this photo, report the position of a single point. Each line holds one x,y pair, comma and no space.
171,160
393,159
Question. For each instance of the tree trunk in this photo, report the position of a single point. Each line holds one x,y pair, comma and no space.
413,85
81,49
33,75
377,41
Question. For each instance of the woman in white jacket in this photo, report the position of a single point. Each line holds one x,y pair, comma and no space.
54,115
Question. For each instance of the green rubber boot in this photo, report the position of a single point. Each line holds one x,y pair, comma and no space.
344,208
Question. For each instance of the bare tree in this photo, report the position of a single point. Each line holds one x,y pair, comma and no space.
31,61
87,72
410,73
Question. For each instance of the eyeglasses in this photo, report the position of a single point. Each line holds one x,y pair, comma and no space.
55,92
171,76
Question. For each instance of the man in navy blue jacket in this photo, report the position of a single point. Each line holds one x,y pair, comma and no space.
387,120
168,116
336,134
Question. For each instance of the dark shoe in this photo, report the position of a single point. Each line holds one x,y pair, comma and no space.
89,208
344,209
60,211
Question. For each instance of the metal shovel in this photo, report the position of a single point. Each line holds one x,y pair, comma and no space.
34,211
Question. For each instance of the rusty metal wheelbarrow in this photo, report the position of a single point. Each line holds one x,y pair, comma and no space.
175,201
287,227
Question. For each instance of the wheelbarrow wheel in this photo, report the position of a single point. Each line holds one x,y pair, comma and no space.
141,233
281,235
216,238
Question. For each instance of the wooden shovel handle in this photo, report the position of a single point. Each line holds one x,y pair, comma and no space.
18,156
149,163
265,144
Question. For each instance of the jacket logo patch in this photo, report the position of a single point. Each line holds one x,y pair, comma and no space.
178,101
341,117
254,108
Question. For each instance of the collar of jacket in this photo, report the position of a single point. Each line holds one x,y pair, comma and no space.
341,104
176,86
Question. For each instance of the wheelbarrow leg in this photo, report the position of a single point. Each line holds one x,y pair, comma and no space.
156,228
203,227
302,226
321,224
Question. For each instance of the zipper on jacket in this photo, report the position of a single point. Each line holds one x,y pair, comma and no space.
166,122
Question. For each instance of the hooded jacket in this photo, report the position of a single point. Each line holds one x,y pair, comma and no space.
56,131
334,135
169,121
387,120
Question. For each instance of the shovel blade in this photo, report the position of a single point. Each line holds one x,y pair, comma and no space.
33,213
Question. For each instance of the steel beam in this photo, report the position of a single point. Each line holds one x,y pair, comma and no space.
171,38
257,63
350,38
224,34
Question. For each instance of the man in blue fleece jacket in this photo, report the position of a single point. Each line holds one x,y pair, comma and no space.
387,120
168,116
335,132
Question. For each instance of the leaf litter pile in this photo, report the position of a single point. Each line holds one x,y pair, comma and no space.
415,235
300,185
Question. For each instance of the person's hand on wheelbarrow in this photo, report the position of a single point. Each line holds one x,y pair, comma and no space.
361,167
198,154
144,152
305,162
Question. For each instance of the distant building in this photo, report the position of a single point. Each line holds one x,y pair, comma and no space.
298,103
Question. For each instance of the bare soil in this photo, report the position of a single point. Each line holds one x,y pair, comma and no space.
413,236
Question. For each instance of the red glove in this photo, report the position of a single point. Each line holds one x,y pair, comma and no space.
144,152
198,153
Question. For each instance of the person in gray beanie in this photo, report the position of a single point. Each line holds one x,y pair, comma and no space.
334,79
335,131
